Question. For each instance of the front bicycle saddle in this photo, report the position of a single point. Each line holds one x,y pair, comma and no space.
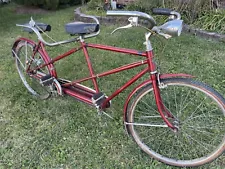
74,28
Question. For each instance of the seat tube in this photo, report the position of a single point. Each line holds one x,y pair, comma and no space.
91,71
153,76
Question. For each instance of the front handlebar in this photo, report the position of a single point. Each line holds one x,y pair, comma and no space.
168,29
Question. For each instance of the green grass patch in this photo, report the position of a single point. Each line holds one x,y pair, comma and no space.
212,21
64,133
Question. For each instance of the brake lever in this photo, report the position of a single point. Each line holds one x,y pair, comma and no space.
158,31
32,22
165,35
133,22
123,27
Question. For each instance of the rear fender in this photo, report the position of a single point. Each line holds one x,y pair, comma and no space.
45,56
19,40
163,76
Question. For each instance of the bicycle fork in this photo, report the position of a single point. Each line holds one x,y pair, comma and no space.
154,76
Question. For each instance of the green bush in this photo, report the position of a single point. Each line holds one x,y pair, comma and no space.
95,4
190,9
51,4
212,21
48,4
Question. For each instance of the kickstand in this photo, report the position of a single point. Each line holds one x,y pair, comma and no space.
100,112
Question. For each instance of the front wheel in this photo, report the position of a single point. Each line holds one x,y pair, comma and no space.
199,115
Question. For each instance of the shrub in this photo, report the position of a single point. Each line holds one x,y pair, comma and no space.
212,21
48,4
190,9
51,4
95,4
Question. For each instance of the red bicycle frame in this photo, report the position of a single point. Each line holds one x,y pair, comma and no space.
85,94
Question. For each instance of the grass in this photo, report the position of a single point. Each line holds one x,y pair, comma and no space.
63,133
212,21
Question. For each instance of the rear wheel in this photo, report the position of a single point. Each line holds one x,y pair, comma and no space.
25,61
199,115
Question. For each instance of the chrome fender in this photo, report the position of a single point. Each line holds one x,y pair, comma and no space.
46,58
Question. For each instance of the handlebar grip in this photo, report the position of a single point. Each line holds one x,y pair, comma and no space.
161,11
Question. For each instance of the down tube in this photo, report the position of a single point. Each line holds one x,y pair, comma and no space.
130,82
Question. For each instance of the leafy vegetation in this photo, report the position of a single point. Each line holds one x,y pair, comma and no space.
190,9
48,4
95,5
64,133
200,13
213,21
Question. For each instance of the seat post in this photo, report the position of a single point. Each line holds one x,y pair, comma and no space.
81,38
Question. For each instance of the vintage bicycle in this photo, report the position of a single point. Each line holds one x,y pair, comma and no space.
173,118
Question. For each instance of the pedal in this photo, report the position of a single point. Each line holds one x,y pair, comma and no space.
98,99
47,80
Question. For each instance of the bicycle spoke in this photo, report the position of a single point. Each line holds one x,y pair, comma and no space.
187,148
155,138
146,117
18,59
26,55
182,148
210,127
146,111
168,100
182,107
196,109
147,125
201,131
203,145
202,116
188,103
175,96
150,107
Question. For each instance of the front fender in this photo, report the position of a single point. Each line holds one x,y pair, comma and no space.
163,76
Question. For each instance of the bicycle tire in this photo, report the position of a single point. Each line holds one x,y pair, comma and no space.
201,115
24,51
